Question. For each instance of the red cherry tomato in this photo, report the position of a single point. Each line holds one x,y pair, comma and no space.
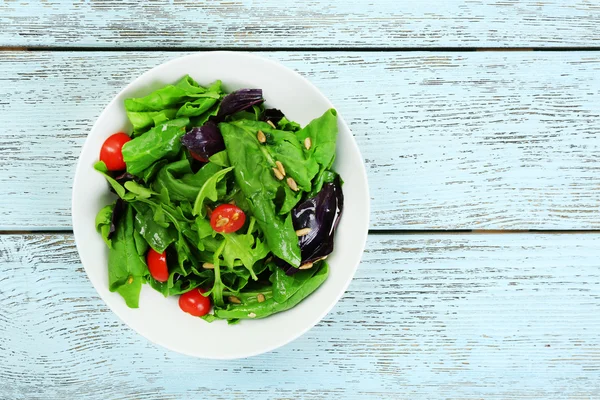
110,152
157,265
198,157
227,218
193,302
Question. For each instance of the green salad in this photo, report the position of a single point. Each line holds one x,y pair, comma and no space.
220,200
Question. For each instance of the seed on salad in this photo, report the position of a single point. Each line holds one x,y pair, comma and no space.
208,265
232,202
233,299
280,167
303,232
308,265
222,221
130,280
261,137
307,143
271,123
252,315
277,174
292,184
260,297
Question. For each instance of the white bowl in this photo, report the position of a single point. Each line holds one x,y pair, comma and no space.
158,318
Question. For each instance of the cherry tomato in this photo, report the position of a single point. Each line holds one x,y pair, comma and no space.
227,218
157,265
111,151
193,302
198,157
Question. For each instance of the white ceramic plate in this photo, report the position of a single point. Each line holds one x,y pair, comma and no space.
159,319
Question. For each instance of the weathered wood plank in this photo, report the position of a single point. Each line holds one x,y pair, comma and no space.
293,24
451,140
497,316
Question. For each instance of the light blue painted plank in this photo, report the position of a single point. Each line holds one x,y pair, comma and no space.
451,140
498,316
294,24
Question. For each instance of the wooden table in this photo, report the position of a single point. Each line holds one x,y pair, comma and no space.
479,125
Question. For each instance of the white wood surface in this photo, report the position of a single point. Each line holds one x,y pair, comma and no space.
494,316
300,24
486,140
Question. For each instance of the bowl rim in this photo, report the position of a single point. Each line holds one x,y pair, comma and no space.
363,177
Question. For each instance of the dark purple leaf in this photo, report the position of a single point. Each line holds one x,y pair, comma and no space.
321,214
239,101
118,210
272,114
204,141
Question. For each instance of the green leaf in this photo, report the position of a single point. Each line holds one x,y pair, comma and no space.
160,142
117,187
322,132
103,223
138,190
167,96
157,236
183,185
220,159
126,268
252,309
253,173
198,107
141,120
244,248
209,191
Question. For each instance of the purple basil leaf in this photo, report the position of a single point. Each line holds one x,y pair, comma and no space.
118,210
204,141
272,114
238,101
321,214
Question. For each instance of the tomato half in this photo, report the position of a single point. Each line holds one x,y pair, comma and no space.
193,302
227,218
157,265
198,157
110,152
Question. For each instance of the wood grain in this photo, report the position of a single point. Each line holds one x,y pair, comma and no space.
496,316
451,140
300,24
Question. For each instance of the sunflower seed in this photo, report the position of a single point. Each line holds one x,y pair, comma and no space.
252,315
208,265
292,184
277,174
272,124
280,167
260,297
303,232
308,265
261,137
130,280
235,300
307,143
221,222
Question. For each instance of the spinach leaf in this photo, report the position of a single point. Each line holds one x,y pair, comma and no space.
322,132
141,120
197,107
167,96
220,159
252,309
104,222
254,175
126,268
157,236
285,286
141,246
162,141
209,191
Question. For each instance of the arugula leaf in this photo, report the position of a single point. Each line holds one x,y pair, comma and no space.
163,141
244,248
103,223
209,191
126,268
117,187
